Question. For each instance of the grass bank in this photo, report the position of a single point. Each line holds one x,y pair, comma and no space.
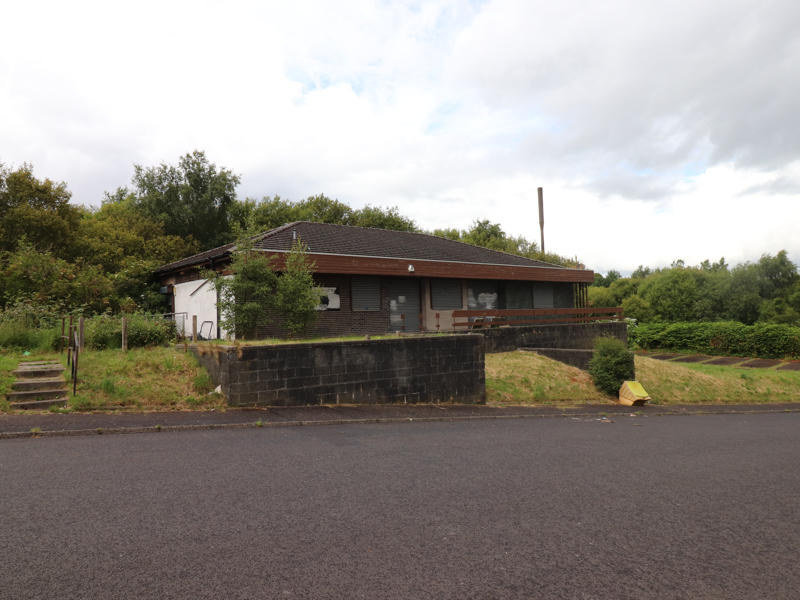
141,379
526,378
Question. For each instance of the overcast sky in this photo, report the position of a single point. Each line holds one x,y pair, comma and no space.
659,130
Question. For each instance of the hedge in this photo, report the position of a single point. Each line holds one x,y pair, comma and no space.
722,339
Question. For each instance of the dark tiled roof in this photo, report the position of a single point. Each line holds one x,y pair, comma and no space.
323,238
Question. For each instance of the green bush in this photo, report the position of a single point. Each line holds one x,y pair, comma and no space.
105,331
611,365
18,336
728,338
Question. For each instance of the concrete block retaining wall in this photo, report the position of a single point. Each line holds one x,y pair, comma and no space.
408,369
438,368
579,336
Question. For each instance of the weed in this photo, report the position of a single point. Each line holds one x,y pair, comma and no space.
99,431
602,414
259,424
36,430
203,383
158,427
108,386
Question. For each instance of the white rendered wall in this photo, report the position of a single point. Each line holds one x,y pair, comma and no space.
197,298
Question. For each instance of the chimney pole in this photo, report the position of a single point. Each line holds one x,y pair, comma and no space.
541,215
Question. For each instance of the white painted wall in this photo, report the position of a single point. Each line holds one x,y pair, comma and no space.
197,298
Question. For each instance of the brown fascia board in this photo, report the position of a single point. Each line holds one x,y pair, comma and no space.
398,267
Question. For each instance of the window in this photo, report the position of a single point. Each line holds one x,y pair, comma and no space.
366,293
483,295
445,294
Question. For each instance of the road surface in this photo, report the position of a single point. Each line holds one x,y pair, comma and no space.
645,507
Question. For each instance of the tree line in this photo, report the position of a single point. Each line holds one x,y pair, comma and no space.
66,256
764,291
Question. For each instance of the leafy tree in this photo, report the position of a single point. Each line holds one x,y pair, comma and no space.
641,272
777,272
273,212
636,308
600,297
606,281
34,210
490,235
254,292
192,199
672,294
116,235
244,297
296,298
44,279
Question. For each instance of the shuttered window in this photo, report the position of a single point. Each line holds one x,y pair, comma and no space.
445,294
366,293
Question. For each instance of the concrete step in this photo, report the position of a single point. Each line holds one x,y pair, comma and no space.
31,395
38,362
39,371
40,404
41,383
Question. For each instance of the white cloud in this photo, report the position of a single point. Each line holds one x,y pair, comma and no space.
651,126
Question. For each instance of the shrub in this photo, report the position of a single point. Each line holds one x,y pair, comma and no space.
611,364
722,338
105,331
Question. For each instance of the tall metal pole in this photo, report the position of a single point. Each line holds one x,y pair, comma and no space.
541,215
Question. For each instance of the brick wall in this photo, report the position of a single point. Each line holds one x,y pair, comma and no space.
567,336
407,369
342,322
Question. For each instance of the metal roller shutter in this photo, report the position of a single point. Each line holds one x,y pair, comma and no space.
366,293
445,294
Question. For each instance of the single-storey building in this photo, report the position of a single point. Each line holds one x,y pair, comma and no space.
378,281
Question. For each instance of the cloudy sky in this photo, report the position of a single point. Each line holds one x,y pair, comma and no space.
659,130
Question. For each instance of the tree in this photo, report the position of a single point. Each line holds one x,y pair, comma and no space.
606,281
636,308
192,199
254,292
244,297
672,294
116,234
273,212
641,272
296,298
490,235
37,211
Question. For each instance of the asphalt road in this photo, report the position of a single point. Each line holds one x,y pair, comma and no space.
645,507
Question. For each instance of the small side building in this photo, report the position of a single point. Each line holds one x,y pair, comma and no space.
378,281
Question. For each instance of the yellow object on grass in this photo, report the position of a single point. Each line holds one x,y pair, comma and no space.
633,394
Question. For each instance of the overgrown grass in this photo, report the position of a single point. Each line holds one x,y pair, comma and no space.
676,383
143,379
16,336
526,378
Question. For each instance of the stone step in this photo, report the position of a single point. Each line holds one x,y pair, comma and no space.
41,383
27,396
40,404
39,371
